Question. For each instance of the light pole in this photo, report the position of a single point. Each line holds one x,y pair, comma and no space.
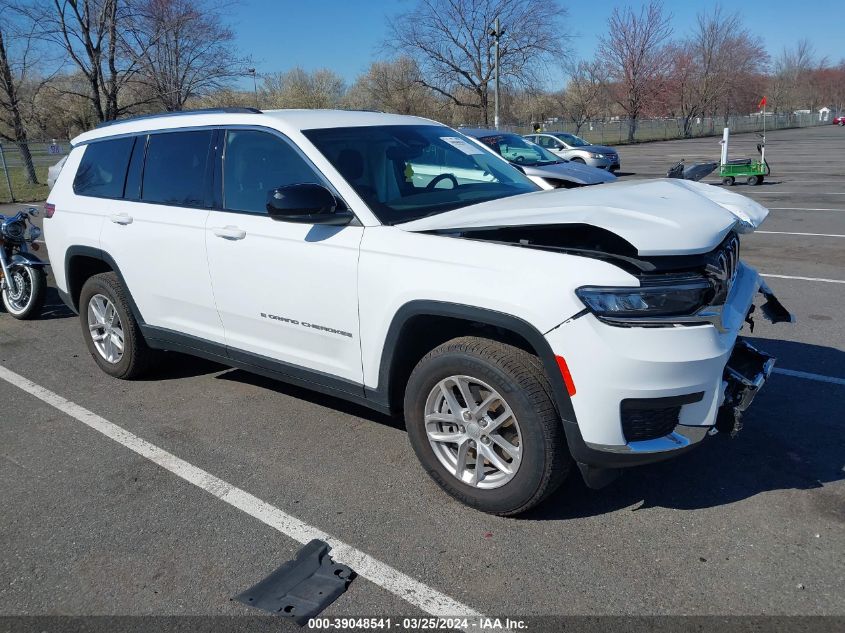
496,32
251,71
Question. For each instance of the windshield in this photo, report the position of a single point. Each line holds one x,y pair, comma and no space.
518,150
572,140
405,172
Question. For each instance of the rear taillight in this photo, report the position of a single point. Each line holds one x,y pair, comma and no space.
49,210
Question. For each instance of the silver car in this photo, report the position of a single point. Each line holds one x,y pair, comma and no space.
54,171
539,164
576,149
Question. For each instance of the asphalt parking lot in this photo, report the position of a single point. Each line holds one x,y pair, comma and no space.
750,526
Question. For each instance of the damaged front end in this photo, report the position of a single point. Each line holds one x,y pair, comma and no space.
748,368
745,374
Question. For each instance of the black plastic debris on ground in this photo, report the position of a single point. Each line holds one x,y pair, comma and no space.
301,588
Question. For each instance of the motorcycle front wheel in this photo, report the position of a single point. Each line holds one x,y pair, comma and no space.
30,290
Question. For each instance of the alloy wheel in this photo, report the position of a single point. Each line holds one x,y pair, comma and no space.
105,328
473,432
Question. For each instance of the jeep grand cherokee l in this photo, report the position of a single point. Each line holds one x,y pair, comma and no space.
391,261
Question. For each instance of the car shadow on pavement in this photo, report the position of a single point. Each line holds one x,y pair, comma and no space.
792,439
54,307
176,365
301,393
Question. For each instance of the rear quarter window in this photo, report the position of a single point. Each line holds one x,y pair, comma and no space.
102,170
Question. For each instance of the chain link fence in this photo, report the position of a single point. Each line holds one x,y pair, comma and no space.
14,177
615,131
14,185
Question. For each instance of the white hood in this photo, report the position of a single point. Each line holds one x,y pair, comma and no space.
658,217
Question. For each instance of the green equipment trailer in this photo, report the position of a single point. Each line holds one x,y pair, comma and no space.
753,171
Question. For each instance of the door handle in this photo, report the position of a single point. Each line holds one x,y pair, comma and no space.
229,232
121,218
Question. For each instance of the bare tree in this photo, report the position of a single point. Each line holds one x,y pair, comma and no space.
827,84
183,50
62,108
633,53
450,41
708,69
790,84
585,97
298,88
13,74
91,34
393,86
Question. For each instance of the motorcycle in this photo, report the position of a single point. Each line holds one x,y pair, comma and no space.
23,281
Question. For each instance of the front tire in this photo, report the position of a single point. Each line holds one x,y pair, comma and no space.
481,420
27,302
111,332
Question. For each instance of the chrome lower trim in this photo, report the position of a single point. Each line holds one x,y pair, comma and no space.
682,437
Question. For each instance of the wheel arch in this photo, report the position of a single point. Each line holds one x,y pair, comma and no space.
82,263
419,326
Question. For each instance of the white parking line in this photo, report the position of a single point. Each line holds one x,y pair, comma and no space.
809,376
830,281
802,193
801,209
413,591
808,234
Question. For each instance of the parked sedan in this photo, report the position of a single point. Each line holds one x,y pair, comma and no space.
577,150
540,165
839,120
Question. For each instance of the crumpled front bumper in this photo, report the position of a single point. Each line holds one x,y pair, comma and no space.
745,374
710,374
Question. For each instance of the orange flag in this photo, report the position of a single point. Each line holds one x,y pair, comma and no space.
762,102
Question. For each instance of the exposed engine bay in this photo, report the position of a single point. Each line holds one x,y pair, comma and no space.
718,266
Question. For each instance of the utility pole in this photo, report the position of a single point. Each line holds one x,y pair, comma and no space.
251,71
496,32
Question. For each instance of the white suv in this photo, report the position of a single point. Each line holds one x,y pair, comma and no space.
391,261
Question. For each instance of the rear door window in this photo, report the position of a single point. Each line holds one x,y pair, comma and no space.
102,171
176,168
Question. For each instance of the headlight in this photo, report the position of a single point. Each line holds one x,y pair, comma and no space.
597,155
676,299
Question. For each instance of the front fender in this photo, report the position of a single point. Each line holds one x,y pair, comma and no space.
27,259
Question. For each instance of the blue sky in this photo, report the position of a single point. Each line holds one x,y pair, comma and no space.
345,35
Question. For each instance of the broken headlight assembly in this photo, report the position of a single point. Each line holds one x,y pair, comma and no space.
681,298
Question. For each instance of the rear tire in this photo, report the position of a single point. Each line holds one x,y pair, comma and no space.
111,332
522,415
754,180
728,181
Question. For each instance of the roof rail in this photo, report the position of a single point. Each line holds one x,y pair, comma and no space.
141,117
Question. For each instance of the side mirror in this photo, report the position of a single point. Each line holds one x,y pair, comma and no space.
307,204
